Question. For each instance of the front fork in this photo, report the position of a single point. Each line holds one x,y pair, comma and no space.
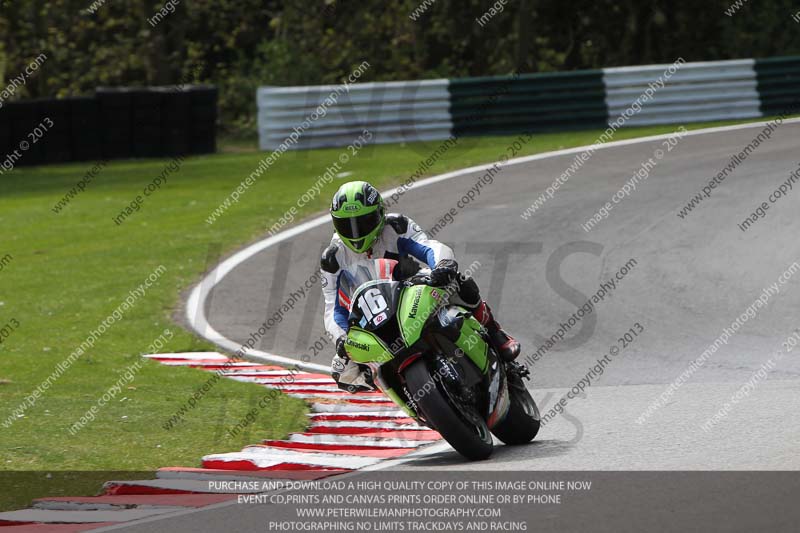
387,389
470,341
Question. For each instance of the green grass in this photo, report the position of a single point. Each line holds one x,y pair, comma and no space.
70,270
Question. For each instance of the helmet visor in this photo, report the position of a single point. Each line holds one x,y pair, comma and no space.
357,227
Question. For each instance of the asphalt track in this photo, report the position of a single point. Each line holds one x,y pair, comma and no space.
692,278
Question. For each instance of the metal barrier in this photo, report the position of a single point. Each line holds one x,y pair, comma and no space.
334,115
778,84
309,117
530,102
682,92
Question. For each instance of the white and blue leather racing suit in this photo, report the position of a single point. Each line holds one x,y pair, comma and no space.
400,239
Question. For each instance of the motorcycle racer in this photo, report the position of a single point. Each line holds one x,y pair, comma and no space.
364,231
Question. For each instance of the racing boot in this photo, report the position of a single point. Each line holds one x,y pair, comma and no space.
507,346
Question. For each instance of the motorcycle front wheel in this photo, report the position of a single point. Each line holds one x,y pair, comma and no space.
466,432
521,424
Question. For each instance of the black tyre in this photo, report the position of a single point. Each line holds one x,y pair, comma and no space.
521,424
466,432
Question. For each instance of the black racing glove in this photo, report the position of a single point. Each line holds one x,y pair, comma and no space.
343,368
444,272
340,361
340,349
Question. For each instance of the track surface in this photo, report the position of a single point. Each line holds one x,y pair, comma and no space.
693,277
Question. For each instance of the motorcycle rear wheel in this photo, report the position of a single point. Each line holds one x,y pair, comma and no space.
471,439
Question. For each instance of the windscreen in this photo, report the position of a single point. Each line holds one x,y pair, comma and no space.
372,292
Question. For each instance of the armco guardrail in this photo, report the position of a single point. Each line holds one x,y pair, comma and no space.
331,116
530,102
778,83
691,92
437,109
114,123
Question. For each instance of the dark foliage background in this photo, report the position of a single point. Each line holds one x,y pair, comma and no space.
241,44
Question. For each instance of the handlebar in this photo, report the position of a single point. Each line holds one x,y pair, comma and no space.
418,279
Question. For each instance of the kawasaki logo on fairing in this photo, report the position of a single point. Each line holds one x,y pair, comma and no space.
415,304
358,345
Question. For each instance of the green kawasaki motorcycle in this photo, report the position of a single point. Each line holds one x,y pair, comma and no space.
434,361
